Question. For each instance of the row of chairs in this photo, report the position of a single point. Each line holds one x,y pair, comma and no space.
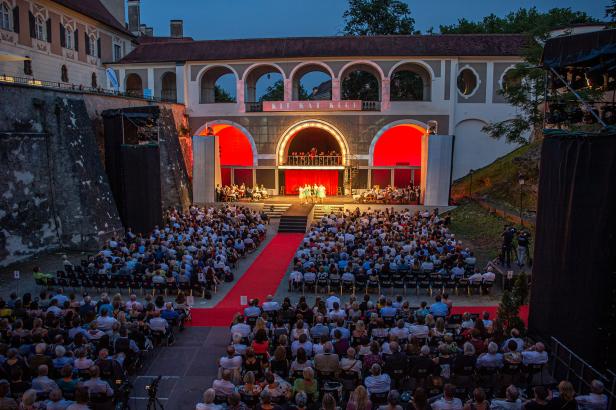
423,282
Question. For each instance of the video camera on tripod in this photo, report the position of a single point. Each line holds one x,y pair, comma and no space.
152,389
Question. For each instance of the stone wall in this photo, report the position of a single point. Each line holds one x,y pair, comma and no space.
54,192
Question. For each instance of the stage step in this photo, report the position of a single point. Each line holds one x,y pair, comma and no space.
275,210
295,219
322,210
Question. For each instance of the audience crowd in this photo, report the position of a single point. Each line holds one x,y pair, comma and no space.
379,249
59,352
194,251
389,195
384,354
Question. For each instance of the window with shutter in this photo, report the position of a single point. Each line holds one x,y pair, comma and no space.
98,47
48,30
5,17
32,25
16,19
76,39
87,43
40,33
62,36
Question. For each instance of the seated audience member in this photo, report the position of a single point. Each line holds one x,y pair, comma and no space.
224,386
479,401
566,397
535,354
448,401
596,399
491,359
377,382
540,399
511,402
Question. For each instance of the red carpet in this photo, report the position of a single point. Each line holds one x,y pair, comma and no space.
261,279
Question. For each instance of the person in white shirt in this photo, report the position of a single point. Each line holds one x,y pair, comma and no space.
475,277
133,302
377,382
492,358
295,279
232,361
329,302
104,321
489,276
158,324
536,354
243,329
270,305
448,401
511,401
596,400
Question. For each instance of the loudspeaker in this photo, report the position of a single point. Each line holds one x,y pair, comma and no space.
141,209
574,273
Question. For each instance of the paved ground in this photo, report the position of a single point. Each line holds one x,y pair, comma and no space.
188,368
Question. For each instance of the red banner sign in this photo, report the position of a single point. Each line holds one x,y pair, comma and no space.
346,105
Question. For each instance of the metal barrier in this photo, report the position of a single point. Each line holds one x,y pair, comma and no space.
566,365
33,82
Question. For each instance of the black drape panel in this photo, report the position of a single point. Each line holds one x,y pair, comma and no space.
573,285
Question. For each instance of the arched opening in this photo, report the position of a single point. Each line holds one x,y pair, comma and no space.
264,83
236,153
396,154
313,146
312,82
360,82
134,85
218,85
410,82
168,89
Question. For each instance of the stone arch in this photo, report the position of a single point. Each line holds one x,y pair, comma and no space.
410,122
168,89
422,70
203,129
254,73
293,129
307,67
360,66
134,84
207,78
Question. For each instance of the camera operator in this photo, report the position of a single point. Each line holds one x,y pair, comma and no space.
507,235
523,248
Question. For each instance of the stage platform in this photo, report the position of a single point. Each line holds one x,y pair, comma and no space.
294,199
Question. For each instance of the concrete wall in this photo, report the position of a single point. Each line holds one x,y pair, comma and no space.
53,188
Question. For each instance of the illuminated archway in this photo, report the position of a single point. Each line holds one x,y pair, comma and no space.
237,146
287,136
397,143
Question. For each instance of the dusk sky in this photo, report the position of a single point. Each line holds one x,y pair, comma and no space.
222,19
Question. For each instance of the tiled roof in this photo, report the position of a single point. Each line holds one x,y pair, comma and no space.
340,46
95,10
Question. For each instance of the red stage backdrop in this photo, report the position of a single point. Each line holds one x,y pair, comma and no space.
294,178
242,176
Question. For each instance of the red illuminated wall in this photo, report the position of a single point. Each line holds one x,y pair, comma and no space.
235,148
399,145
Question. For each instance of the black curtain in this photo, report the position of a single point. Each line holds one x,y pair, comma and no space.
573,281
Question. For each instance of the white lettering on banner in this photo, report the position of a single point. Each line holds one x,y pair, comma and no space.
349,105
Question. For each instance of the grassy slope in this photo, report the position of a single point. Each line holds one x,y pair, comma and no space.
478,230
498,182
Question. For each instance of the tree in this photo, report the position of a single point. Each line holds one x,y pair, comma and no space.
222,96
274,92
378,17
526,81
509,308
360,85
610,11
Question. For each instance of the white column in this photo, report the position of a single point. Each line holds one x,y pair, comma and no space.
180,82
385,94
151,81
206,169
438,171
336,89
489,82
240,96
288,89
453,95
122,79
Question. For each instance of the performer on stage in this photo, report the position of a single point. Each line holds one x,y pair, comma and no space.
315,193
302,194
321,193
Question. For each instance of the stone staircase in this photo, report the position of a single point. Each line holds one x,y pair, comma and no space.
321,210
275,210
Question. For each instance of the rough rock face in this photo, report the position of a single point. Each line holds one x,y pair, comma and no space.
55,192
176,188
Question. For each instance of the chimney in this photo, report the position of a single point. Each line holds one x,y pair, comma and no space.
134,16
149,31
116,8
177,28
142,28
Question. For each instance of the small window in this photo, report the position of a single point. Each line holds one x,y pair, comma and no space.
68,38
117,52
94,81
40,29
510,80
28,66
5,17
93,44
64,74
467,82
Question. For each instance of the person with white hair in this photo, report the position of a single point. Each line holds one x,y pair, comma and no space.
596,399
208,401
270,305
488,276
510,402
535,354
377,382
491,359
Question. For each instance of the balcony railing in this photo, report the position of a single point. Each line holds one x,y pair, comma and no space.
33,82
365,106
316,160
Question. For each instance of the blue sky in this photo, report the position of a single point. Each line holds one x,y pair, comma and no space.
221,19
